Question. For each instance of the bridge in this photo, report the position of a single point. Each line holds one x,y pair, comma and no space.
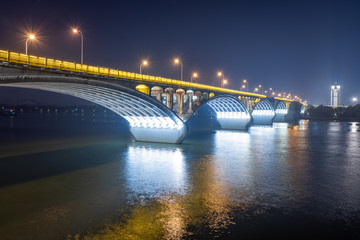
156,108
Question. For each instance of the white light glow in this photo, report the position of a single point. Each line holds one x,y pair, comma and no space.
233,115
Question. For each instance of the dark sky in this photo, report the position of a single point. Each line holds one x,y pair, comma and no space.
297,46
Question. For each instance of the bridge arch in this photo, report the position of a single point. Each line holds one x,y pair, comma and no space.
263,112
231,113
149,119
281,111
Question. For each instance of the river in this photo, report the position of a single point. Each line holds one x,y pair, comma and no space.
74,177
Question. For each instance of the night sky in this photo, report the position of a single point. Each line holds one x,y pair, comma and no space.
292,46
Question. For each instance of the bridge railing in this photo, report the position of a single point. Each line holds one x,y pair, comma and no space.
77,67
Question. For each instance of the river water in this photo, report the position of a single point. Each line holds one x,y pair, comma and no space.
74,177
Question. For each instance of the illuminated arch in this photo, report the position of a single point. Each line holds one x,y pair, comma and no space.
281,108
231,113
263,112
146,116
280,112
143,88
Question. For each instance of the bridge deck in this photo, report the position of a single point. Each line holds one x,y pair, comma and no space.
13,57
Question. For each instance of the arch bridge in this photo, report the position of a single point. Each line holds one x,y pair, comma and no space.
156,108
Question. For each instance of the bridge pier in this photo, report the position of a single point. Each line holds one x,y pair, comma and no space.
234,123
280,117
163,135
294,112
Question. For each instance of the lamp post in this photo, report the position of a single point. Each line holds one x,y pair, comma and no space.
145,62
75,30
181,64
30,37
255,90
220,74
224,82
194,75
246,84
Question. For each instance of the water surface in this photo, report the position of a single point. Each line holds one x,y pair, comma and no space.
84,177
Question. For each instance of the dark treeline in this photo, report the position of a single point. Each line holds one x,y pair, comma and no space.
336,113
83,110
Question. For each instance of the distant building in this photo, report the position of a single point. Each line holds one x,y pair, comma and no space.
335,95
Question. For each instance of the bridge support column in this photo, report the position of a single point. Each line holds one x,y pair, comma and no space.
190,110
180,98
293,112
170,92
198,98
161,135
156,92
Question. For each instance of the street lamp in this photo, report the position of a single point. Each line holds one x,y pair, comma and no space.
354,99
256,89
30,37
194,75
145,62
224,82
176,62
260,87
246,84
75,30
220,74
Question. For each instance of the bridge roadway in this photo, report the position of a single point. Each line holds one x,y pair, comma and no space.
156,108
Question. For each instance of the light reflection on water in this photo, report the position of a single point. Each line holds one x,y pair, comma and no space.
152,171
227,184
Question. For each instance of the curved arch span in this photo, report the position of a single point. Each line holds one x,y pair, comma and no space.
231,113
149,119
263,113
280,112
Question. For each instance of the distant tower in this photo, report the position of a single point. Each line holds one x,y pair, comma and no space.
335,94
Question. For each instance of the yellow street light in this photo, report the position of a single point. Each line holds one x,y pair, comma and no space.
194,76
220,74
246,83
145,62
30,37
177,60
224,82
76,31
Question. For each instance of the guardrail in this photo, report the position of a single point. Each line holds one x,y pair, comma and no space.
77,67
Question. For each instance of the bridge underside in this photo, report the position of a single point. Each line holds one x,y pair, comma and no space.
231,113
263,113
281,112
157,115
147,121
